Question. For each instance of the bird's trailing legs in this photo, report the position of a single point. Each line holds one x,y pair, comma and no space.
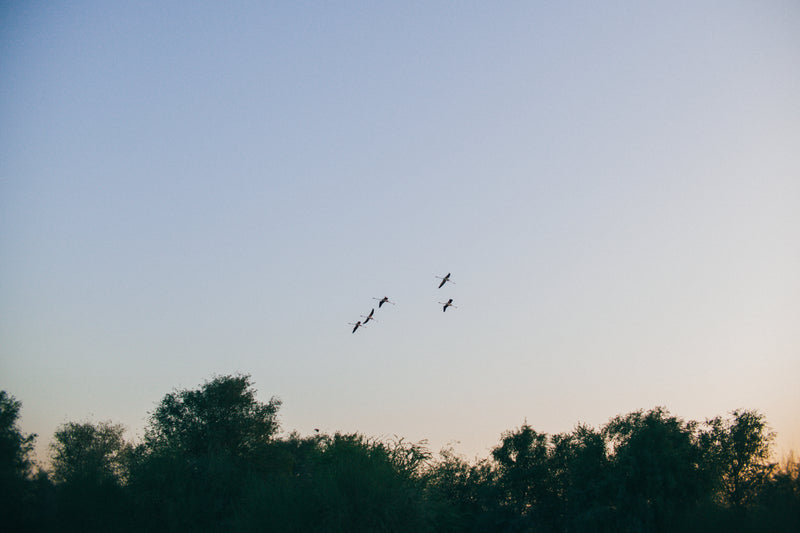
357,325
448,303
368,317
445,280
384,300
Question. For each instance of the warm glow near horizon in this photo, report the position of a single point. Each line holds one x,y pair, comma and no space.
189,191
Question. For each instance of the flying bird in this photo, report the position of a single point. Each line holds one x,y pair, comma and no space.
445,280
384,300
448,303
357,325
368,317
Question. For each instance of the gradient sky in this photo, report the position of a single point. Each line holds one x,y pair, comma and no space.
189,189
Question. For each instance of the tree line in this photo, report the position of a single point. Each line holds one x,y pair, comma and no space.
213,459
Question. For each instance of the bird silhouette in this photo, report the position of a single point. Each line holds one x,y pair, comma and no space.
448,303
384,300
368,317
357,325
445,280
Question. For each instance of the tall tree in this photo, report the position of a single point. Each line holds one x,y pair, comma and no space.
15,464
90,454
737,451
656,471
90,468
223,416
523,476
200,446
580,470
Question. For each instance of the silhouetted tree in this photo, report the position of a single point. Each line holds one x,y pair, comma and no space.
737,451
211,461
656,470
466,496
15,467
223,416
523,477
200,446
778,499
343,482
579,468
88,454
90,468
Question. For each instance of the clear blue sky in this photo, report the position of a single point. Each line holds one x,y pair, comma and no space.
190,189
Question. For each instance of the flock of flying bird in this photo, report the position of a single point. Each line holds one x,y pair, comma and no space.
385,300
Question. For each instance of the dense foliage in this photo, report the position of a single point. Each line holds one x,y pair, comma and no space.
212,460
15,465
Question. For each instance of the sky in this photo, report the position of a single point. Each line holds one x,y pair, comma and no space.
194,189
